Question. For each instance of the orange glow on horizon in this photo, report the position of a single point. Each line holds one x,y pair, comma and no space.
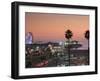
52,27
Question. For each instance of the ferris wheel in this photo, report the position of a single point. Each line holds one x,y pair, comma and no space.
28,38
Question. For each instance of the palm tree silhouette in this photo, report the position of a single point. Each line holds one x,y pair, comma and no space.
68,35
87,37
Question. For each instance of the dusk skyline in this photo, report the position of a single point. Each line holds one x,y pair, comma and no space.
51,27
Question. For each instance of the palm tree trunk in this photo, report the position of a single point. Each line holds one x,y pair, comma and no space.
68,52
88,53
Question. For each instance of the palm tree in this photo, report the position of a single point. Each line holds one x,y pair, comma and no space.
87,37
68,35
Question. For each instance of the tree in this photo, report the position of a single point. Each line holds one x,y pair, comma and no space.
87,37
87,34
68,35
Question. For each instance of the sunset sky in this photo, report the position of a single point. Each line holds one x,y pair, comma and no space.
51,27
